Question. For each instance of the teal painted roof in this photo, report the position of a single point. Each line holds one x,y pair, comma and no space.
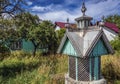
84,41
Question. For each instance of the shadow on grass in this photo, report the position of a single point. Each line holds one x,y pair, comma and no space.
7,72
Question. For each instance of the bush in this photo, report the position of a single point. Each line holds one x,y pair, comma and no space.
15,64
9,67
4,51
116,44
111,67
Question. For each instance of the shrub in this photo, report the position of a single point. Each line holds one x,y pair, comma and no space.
4,51
16,63
116,44
111,67
51,69
8,67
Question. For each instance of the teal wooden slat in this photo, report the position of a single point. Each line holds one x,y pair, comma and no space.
90,69
76,59
96,67
68,49
68,66
99,49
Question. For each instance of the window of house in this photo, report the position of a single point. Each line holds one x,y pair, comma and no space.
16,45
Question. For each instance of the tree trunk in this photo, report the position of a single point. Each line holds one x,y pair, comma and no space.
34,51
35,48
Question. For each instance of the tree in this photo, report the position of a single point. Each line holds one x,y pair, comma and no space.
9,36
43,36
11,7
114,19
6,23
40,33
24,21
60,33
116,44
4,51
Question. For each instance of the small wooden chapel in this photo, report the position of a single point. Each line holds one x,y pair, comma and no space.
84,47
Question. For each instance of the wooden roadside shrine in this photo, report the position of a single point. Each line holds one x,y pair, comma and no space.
85,46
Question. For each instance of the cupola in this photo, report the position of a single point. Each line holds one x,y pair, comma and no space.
84,21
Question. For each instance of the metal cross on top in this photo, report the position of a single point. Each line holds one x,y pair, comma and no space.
85,48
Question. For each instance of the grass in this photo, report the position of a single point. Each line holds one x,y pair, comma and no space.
111,68
23,68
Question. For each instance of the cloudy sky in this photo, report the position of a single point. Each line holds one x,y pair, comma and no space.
60,10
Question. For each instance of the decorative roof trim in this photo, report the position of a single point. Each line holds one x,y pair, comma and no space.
110,49
71,41
62,43
93,44
100,34
75,46
83,18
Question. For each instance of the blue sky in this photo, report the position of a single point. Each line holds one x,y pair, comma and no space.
60,10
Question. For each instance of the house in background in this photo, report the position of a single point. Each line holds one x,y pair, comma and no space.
59,25
111,30
24,45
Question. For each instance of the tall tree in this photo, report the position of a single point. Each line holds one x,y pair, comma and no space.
60,33
24,21
40,33
7,38
11,7
43,36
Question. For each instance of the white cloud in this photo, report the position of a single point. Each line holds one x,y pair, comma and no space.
38,8
29,3
103,8
95,10
42,8
56,16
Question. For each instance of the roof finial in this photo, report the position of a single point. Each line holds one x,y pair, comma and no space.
83,8
101,24
103,18
67,24
67,20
